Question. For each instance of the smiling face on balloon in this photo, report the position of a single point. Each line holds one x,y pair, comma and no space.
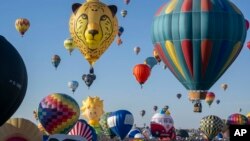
164,120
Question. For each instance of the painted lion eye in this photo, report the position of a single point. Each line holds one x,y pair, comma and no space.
84,16
103,17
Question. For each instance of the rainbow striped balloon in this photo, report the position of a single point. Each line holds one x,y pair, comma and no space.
237,119
58,113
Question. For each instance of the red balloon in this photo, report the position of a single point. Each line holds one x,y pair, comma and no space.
248,44
141,73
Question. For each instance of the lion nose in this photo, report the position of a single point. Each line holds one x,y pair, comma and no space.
93,32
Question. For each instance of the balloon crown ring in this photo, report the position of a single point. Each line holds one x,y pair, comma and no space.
92,0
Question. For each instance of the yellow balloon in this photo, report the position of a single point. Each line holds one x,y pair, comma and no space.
22,25
69,45
93,27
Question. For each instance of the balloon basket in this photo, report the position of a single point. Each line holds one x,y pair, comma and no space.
197,95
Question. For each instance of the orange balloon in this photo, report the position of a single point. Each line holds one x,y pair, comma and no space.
141,73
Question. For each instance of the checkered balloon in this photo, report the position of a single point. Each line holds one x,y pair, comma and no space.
58,113
211,125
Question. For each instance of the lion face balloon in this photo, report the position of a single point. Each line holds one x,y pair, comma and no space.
93,27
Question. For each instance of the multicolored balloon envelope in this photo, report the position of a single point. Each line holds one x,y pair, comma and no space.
104,124
237,119
198,40
19,129
63,137
121,122
22,25
58,113
13,80
83,129
211,126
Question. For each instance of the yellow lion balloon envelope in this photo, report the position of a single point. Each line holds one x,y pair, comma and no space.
93,27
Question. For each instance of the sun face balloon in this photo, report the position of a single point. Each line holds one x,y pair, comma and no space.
198,40
20,129
13,80
58,113
93,27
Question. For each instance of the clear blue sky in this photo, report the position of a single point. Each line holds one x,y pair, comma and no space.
115,83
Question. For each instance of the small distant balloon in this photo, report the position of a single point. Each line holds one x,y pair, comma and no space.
137,50
119,41
151,61
89,78
126,1
248,44
224,86
69,45
155,108
142,113
22,25
124,13
56,60
73,85
178,95
218,101
120,31
210,98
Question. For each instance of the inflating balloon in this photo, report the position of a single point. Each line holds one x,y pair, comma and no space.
13,80
69,45
83,129
58,113
19,129
56,60
124,13
121,122
22,25
141,73
93,30
73,85
211,126
237,119
193,41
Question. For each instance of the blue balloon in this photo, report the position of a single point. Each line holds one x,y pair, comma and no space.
121,122
151,61
133,132
220,136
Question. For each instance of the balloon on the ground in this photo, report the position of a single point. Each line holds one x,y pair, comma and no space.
92,109
19,129
69,45
58,113
201,48
182,133
211,125
162,126
22,25
237,119
93,30
55,60
83,129
141,73
133,132
124,13
13,82
104,124
121,122
73,85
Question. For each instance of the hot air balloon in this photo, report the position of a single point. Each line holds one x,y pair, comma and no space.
83,129
211,125
135,134
137,50
210,98
19,129
146,133
35,115
56,60
165,108
162,126
247,24
248,116
178,95
224,86
151,61
193,41
104,124
22,25
165,67
119,41
218,101
69,45
126,1
93,30
120,31
156,55
248,44
141,73
121,122
13,82
88,79
142,113
58,113
183,134
124,13
73,85
155,108
237,119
